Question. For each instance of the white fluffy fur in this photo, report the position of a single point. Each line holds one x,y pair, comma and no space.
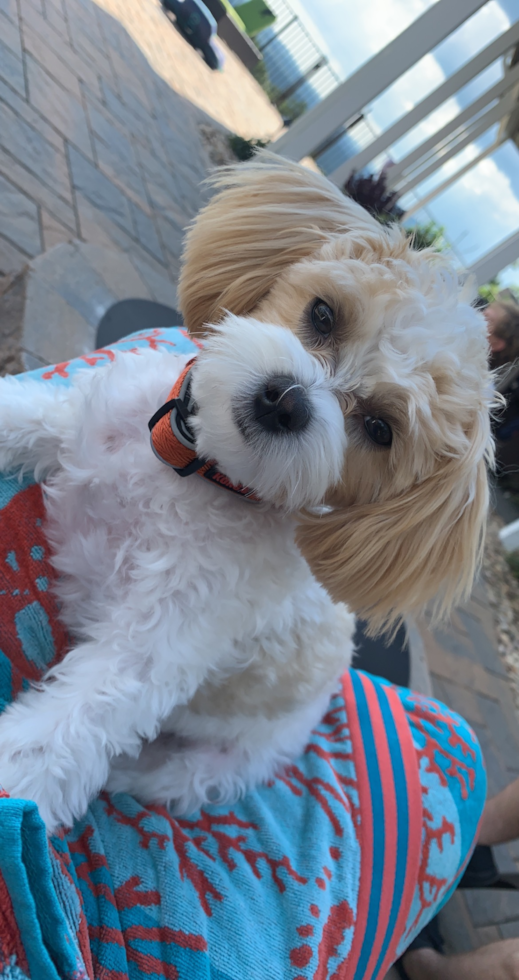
193,609
205,648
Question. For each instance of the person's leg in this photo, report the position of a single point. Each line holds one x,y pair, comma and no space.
454,792
499,961
500,822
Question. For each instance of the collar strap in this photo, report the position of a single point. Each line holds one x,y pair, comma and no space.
173,441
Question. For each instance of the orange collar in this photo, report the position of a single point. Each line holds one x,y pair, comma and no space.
173,442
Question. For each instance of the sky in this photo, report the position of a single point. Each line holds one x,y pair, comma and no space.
481,208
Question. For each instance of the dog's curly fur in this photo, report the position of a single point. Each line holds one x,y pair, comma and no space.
210,631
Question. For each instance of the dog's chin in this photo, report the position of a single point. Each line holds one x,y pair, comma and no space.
274,469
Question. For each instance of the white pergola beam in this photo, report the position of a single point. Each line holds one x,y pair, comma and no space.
311,129
422,203
484,122
433,142
424,108
493,262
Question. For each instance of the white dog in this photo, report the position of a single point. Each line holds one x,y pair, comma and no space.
346,384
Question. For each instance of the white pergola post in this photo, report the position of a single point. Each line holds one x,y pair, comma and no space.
483,123
423,201
498,258
436,141
311,129
445,91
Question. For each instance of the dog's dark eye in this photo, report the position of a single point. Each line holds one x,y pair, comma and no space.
378,431
323,318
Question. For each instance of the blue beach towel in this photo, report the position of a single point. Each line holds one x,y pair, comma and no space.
327,872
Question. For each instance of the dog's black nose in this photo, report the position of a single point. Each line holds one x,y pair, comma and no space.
282,405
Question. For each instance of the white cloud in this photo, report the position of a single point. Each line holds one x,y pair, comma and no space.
424,77
354,30
456,163
460,160
311,20
480,29
509,276
481,206
448,169
488,183
427,127
409,89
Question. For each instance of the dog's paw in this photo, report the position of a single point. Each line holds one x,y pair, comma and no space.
30,769
23,776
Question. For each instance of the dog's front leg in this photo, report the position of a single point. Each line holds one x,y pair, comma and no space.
35,419
57,740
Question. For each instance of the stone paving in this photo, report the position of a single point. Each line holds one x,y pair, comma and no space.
100,105
469,676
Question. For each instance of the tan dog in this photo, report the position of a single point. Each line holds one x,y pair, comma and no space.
407,525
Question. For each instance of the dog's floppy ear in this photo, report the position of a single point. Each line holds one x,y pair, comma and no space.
266,214
388,559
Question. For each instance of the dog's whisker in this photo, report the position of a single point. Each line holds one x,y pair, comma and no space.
286,391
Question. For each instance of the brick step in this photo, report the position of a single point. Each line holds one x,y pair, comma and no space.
51,310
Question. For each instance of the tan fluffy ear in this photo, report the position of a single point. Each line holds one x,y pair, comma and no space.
266,214
387,559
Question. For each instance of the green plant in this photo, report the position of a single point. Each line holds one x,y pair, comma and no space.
512,560
260,73
429,235
245,149
370,191
289,108
490,290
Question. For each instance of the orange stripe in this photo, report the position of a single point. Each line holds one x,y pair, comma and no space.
414,804
390,821
365,832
